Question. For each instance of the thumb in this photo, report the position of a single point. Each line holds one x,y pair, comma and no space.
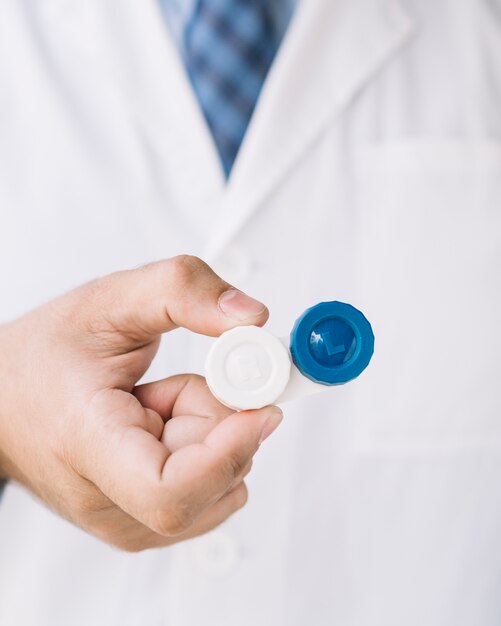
179,292
167,492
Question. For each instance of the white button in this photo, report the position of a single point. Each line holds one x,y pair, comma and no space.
247,368
216,554
234,265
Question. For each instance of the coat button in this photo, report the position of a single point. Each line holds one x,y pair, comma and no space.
216,554
233,265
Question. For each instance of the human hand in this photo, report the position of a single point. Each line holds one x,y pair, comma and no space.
136,466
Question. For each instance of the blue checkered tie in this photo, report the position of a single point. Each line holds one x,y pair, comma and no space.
229,47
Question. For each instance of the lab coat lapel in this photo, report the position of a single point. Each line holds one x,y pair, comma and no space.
330,52
130,41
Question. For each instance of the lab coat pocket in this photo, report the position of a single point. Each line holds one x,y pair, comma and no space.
429,273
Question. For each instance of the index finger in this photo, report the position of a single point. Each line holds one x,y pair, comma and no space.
182,291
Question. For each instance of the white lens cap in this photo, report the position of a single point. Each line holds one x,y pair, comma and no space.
247,368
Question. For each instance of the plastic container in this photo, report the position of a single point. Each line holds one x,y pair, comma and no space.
248,367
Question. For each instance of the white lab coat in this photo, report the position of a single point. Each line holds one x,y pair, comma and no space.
371,174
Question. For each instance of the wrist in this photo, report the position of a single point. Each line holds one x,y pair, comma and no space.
5,375
4,474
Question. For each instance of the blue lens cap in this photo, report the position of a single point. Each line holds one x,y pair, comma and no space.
332,343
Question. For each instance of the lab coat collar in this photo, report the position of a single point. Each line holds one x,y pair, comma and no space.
130,42
330,52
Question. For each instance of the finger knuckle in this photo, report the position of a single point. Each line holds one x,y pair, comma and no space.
124,541
172,522
185,267
87,504
130,546
235,465
122,535
241,497
247,468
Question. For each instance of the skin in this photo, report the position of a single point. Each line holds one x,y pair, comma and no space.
137,466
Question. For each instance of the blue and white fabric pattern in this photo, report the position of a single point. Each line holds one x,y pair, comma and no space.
229,47
178,13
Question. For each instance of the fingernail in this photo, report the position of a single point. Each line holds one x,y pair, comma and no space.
271,424
239,305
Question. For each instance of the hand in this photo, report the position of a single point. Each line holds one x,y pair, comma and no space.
136,466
